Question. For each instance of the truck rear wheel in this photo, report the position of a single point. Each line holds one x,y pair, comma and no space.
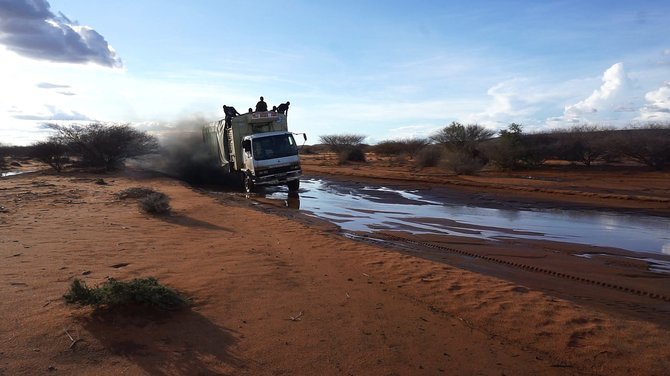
293,185
248,183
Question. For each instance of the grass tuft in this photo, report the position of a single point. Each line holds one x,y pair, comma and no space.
145,292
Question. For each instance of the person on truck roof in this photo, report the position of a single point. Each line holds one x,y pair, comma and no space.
261,105
230,113
283,108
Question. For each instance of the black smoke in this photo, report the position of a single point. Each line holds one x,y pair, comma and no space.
185,156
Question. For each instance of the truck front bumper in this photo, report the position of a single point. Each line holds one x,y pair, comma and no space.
279,178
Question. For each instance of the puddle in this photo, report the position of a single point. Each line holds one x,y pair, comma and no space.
12,173
368,209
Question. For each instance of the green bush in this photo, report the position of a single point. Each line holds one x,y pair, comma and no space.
138,292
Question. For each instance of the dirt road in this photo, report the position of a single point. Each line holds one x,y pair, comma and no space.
271,295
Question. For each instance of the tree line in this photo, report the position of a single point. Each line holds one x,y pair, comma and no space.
460,148
468,148
94,145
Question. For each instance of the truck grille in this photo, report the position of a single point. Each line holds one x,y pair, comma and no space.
278,170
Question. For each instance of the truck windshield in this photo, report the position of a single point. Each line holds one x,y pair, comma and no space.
282,145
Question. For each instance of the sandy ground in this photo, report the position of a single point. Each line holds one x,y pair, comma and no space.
274,293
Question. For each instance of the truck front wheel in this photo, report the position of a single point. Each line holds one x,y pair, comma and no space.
248,183
293,185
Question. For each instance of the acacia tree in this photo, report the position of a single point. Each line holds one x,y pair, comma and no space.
342,142
412,146
464,139
508,150
347,146
52,152
649,145
584,144
105,145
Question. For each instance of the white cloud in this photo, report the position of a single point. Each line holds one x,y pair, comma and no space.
30,29
413,131
657,107
521,101
51,113
614,103
611,95
49,85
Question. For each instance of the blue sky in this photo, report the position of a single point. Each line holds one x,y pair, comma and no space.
391,69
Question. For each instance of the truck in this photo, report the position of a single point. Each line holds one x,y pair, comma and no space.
256,148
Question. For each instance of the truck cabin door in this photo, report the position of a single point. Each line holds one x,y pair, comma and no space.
248,155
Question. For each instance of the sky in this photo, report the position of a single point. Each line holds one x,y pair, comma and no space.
383,69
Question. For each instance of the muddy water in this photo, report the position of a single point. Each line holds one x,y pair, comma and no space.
369,208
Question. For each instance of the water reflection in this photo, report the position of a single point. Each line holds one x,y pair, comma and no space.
293,200
368,209
12,173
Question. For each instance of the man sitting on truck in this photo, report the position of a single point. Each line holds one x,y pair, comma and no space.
261,105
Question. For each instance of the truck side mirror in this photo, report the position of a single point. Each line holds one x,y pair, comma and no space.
304,135
246,145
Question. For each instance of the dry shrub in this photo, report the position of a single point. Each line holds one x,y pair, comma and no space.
388,148
462,163
135,192
156,203
150,201
399,160
338,143
429,156
351,155
52,152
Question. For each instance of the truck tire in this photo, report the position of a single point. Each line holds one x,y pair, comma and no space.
248,183
293,185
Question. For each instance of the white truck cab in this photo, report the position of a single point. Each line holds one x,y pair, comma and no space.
258,148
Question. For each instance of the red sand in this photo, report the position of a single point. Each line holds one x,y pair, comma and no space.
274,296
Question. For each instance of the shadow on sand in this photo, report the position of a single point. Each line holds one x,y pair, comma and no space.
182,342
187,221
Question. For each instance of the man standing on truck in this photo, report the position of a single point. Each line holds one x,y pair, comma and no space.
261,105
